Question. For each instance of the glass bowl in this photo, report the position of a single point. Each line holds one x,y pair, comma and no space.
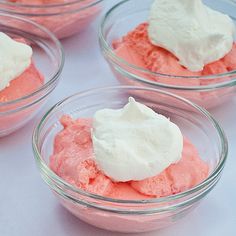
63,18
206,91
132,216
48,58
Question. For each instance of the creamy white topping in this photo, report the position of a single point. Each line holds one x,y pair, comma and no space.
15,57
196,34
134,143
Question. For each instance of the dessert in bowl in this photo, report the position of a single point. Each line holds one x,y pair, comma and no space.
125,167
62,17
30,70
182,47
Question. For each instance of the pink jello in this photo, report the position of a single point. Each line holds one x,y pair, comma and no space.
62,17
73,160
25,84
137,49
136,61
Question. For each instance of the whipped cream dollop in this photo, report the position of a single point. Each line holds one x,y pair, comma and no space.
134,143
196,34
15,58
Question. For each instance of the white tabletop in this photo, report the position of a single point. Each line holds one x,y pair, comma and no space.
27,206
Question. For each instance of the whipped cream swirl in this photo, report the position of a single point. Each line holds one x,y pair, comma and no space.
134,143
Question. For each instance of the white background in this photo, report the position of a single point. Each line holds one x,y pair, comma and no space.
28,208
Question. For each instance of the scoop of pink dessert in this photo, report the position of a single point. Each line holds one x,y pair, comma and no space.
137,49
73,160
25,84
63,19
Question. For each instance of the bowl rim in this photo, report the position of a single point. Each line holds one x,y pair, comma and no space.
45,169
121,63
46,5
53,78
50,6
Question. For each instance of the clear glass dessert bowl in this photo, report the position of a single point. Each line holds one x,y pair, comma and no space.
63,18
132,216
206,91
48,58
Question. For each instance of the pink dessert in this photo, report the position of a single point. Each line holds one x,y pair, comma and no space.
73,160
137,49
25,83
63,19
28,82
39,1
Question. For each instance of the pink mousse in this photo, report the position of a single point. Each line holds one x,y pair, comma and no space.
73,160
28,82
40,1
64,19
137,49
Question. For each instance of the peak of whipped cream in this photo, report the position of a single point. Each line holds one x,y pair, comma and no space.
196,34
134,143
15,58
